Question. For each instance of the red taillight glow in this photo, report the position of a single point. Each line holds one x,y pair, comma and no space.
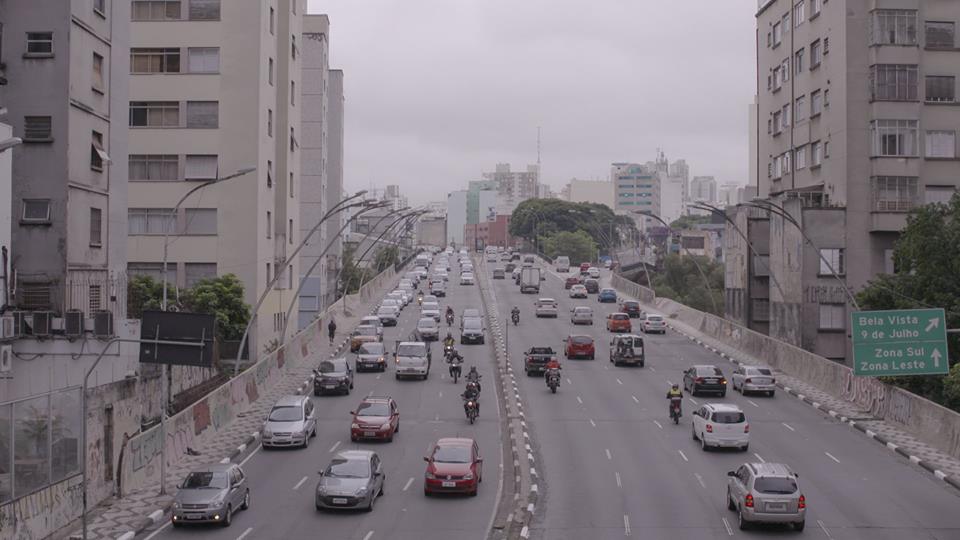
698,380
748,501
803,502
748,381
709,428
746,428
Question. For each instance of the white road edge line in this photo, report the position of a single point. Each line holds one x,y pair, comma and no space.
300,483
368,535
700,480
626,525
407,485
759,458
158,531
659,425
684,456
335,445
253,453
592,423
607,450
245,533
727,525
752,403
824,529
580,401
619,483
829,455
619,381
635,400
786,425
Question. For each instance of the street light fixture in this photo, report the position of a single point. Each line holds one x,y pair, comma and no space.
7,144
396,235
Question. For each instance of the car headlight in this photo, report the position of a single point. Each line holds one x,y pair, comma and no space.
176,505
386,425
321,490
431,476
468,476
266,432
361,492
354,426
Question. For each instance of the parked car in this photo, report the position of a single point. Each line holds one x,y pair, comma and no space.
755,379
704,378
334,375
353,479
607,295
571,281
619,322
291,422
766,493
211,494
581,315
371,357
592,285
499,273
453,466
653,323
363,334
721,425
631,308
376,418
546,307
579,346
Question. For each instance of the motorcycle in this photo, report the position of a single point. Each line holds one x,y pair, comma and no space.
515,317
455,370
449,319
420,299
447,349
473,383
553,381
470,407
675,409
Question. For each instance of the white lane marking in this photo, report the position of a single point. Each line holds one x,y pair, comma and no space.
759,458
693,401
335,445
619,381
367,537
580,401
607,450
626,525
824,529
786,425
653,369
635,400
300,483
700,480
619,483
441,393
569,381
829,455
246,459
684,456
592,423
659,425
752,403
727,525
407,485
669,383
158,531
245,533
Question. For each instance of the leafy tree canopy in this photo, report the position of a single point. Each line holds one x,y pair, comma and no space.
579,246
220,296
550,216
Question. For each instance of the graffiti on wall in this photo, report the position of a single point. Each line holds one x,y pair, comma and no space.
866,392
38,515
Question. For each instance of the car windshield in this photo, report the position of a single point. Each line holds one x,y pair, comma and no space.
386,310
759,371
366,331
608,291
286,414
631,305
620,317
377,408
205,480
372,348
451,454
411,349
581,340
427,324
471,313
472,324
330,366
728,417
431,305
775,485
709,371
654,318
348,468
541,350
582,311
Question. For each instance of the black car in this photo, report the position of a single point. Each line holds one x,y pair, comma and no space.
335,375
704,379
592,285
631,308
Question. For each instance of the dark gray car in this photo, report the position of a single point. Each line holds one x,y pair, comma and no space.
334,375
211,494
354,479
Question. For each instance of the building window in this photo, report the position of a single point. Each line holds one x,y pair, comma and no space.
800,157
291,185
815,7
40,44
941,144
151,270
894,27
293,46
293,92
816,103
100,7
894,82
940,89
98,156
154,60
777,123
938,194
832,258
816,154
96,227
142,221
939,35
800,109
270,71
798,13
201,167
785,69
816,54
154,114
155,10
293,140
269,224
798,60
785,113
200,221
204,10
272,20
269,122
785,21
37,129
895,193
269,174
897,138
203,59
36,211
777,34
268,276
203,114
290,231
97,72
889,266
154,167
197,272
833,317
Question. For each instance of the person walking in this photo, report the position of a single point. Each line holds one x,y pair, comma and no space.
332,330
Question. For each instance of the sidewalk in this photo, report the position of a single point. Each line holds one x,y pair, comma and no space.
126,517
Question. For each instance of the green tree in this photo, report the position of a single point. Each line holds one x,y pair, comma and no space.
536,219
143,293
352,276
688,222
223,297
927,259
680,280
579,246
386,257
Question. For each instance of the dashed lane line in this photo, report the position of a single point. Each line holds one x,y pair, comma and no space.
831,456
788,426
300,483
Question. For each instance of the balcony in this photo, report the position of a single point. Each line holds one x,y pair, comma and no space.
893,198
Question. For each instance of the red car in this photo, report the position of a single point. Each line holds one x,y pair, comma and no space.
584,267
619,322
571,281
580,346
376,418
453,466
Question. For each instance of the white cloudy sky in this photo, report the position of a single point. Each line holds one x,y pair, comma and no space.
439,90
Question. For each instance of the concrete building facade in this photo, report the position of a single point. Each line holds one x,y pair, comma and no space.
432,231
215,87
636,189
494,232
6,212
704,189
592,191
334,170
513,187
456,215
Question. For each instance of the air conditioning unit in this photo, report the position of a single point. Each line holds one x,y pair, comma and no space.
7,328
73,323
6,358
103,324
42,323
21,324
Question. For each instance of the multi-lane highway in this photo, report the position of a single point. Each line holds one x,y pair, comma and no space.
283,481
612,466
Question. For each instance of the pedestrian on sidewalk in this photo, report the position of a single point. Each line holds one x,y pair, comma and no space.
332,329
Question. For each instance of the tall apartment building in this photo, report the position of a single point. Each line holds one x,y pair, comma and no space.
592,191
214,89
636,189
855,129
65,96
703,188
456,215
334,168
513,187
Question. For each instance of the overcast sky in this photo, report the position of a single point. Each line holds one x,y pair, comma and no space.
438,91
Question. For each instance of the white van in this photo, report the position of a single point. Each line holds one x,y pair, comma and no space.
562,263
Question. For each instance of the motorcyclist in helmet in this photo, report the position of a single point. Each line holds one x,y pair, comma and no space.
449,341
473,376
675,394
471,393
552,367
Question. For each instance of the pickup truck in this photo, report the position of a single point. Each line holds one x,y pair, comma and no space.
536,358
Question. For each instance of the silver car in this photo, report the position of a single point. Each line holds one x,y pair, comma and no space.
758,379
291,422
430,309
388,315
581,315
546,307
354,479
766,493
428,329
211,495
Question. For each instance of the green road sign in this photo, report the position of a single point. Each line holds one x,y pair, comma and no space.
900,342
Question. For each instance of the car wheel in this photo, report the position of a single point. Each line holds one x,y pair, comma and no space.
228,516
693,432
475,491
742,523
176,524
316,392
703,443
593,356
745,448
426,492
246,501
306,441
770,393
732,506
373,499
397,375
723,394
798,526
354,439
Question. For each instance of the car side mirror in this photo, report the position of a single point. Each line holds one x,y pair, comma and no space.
353,413
731,473
425,458
479,460
320,473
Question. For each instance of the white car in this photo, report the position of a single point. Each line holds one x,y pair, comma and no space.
653,323
578,291
721,425
593,272
546,307
466,278
391,302
430,309
372,320
581,315
750,379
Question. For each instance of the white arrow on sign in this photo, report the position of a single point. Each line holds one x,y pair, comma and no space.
935,355
934,323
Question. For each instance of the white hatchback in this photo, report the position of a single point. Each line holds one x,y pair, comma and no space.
721,425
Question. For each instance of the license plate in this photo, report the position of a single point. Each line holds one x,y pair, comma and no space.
194,516
449,484
776,507
369,434
329,386
339,501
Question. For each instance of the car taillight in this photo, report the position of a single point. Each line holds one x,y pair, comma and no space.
709,428
748,501
746,428
748,381
803,502
773,381
698,380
